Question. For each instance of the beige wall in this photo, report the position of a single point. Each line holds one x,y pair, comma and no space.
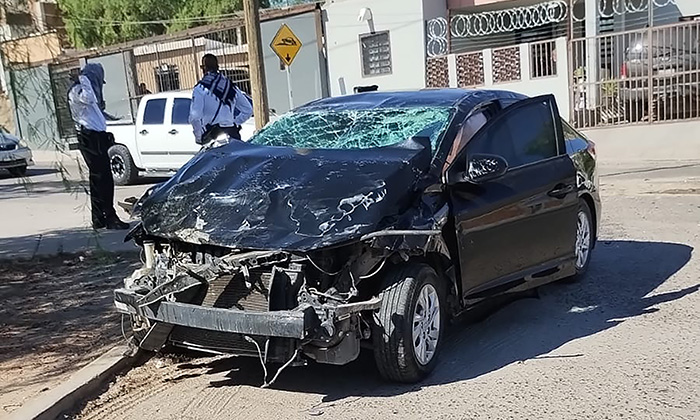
7,113
34,49
186,62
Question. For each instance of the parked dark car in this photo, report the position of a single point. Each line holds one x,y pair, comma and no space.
373,218
672,65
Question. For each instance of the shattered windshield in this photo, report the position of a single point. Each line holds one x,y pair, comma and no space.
353,128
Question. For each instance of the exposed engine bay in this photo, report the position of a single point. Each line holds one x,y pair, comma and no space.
282,307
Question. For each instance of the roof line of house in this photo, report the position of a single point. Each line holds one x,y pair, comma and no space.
234,22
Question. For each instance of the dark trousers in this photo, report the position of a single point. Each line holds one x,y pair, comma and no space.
94,145
212,132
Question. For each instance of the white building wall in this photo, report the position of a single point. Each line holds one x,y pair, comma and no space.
557,85
405,21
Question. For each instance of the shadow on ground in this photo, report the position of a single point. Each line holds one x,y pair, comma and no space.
31,172
54,312
37,182
615,290
63,241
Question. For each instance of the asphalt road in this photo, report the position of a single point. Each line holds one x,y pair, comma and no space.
624,343
48,212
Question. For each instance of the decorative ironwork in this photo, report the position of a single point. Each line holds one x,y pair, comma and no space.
437,73
508,20
543,59
610,8
437,37
470,69
506,64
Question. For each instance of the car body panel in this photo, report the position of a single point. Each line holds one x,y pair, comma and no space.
13,154
246,196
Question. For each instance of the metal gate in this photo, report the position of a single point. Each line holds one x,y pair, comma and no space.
636,77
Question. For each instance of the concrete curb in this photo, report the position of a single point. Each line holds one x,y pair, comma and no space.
80,386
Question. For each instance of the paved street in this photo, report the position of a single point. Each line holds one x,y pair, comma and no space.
623,343
50,215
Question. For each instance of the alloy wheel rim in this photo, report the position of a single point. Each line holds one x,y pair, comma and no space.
583,240
426,324
117,165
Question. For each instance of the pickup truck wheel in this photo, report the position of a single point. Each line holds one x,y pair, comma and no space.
123,170
408,327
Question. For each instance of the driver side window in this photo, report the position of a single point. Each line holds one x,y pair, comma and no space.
470,127
523,136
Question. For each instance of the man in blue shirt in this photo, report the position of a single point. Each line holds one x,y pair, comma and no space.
87,109
218,106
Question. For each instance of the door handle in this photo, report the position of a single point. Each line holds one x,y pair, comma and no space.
173,132
561,191
143,132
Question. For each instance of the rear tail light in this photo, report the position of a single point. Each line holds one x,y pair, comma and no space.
591,148
623,71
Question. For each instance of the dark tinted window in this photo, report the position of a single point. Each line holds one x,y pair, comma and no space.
522,136
154,113
575,142
181,111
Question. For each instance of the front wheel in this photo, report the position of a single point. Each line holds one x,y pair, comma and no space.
409,326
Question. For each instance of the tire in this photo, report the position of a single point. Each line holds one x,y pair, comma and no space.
396,353
18,171
583,241
122,165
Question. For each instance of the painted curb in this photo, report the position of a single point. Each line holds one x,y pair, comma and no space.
80,386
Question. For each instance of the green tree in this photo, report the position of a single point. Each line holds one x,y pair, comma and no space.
94,23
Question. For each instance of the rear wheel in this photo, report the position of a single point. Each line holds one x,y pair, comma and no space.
18,171
123,170
585,235
409,326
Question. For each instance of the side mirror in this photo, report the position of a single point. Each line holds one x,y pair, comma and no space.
484,168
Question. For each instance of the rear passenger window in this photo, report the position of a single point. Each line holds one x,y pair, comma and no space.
154,112
181,111
575,142
523,136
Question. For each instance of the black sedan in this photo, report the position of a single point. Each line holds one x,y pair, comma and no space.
372,218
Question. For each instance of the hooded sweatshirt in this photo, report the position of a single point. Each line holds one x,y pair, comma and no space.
85,99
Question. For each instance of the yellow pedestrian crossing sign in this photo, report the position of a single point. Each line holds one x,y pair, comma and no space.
286,45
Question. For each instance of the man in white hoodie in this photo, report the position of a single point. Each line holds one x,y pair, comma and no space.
87,109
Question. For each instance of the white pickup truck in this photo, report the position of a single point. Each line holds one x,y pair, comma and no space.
160,142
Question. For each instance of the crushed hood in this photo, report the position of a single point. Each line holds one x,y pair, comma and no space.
255,197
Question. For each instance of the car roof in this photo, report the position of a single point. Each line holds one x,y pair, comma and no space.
170,94
408,99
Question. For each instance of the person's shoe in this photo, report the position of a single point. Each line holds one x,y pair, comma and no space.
117,224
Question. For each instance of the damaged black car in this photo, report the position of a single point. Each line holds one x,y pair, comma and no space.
366,220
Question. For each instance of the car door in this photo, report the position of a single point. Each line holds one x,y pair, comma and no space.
151,133
182,145
523,222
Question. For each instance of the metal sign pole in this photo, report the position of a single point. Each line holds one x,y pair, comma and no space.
289,88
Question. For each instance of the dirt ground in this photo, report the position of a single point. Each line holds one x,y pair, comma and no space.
622,344
56,315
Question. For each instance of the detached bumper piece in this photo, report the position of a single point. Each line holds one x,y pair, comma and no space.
286,324
219,330
260,312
